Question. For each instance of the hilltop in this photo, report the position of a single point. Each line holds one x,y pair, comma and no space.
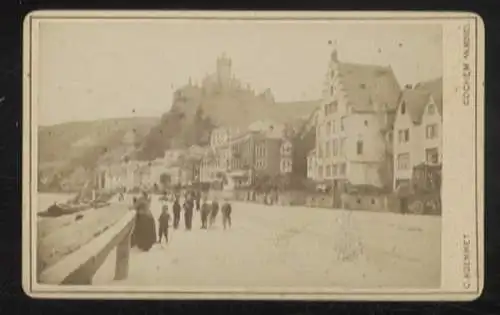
196,111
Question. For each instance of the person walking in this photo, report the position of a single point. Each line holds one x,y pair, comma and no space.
205,212
197,195
214,211
226,214
188,213
163,222
177,212
144,234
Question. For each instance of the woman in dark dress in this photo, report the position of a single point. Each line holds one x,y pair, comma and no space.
144,235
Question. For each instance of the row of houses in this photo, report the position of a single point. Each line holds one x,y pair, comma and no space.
369,131
176,167
266,148
364,132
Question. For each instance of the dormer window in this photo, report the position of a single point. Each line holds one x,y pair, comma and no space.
332,74
403,108
362,85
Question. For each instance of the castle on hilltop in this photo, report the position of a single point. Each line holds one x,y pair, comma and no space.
223,80
223,77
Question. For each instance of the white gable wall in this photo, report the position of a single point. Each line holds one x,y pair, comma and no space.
427,120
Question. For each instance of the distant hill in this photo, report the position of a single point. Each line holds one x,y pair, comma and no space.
73,149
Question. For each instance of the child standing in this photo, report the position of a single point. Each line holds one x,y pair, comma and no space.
226,214
213,213
163,221
177,212
205,212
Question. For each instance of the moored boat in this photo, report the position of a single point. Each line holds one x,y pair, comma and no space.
58,209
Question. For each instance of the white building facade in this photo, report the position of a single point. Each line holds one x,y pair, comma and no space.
353,125
418,130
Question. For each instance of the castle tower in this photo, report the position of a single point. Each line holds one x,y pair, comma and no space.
224,70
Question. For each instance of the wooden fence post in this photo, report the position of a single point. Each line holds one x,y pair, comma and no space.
122,257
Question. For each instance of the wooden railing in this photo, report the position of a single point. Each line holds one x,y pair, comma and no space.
79,267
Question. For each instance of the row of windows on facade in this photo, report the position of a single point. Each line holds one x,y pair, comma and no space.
431,109
431,132
334,150
330,126
260,151
431,157
331,170
333,107
286,164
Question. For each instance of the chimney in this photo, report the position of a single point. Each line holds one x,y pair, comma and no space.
408,86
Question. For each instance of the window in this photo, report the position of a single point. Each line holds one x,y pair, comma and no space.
342,123
432,156
403,161
431,109
342,146
329,126
431,131
332,90
342,169
362,85
327,148
332,74
334,106
389,136
320,151
334,170
404,135
366,123
359,147
403,108
333,126
326,109
328,171
320,171
335,148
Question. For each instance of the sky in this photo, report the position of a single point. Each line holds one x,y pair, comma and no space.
96,69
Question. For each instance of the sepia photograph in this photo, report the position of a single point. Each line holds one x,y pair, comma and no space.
207,154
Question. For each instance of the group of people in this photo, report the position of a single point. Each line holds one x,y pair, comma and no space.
144,233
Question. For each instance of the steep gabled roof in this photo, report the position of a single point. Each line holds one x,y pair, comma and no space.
435,88
366,85
415,102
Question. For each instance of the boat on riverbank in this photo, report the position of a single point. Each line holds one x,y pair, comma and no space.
87,198
58,209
